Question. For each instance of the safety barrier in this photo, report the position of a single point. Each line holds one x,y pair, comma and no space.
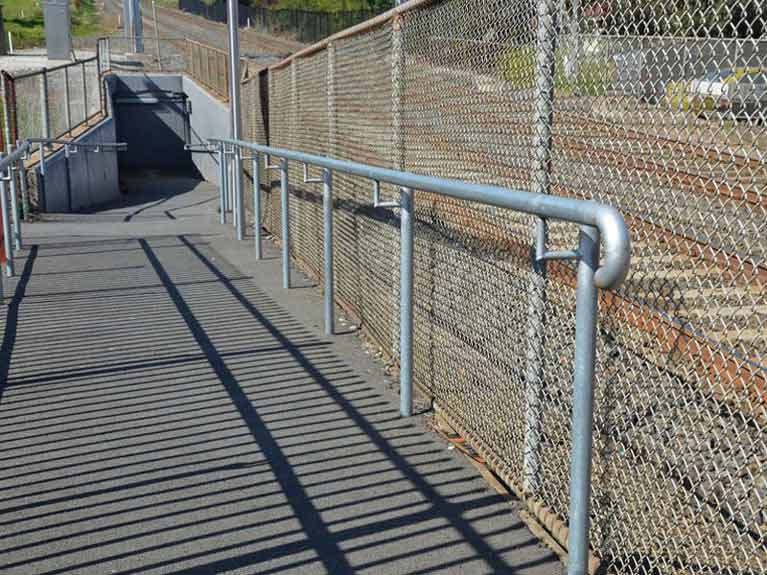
13,186
596,221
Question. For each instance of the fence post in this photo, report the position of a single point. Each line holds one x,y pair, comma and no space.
327,244
234,106
583,402
543,114
285,223
44,112
332,127
406,227
85,92
156,35
7,117
67,103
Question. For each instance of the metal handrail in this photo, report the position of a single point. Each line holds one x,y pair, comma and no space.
14,162
598,223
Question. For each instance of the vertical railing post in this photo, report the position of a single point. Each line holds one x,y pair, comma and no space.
67,103
24,192
327,244
583,402
222,181
285,220
14,206
257,204
541,184
406,301
44,111
7,245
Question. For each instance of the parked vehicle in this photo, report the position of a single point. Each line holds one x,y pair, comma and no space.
740,91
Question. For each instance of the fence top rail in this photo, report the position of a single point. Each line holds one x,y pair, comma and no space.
609,222
40,71
206,46
360,28
144,38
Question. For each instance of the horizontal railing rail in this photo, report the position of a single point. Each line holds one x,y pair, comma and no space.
599,224
38,72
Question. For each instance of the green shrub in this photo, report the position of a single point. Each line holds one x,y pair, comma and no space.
595,76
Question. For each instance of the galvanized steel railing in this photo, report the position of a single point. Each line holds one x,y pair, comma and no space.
598,223
12,167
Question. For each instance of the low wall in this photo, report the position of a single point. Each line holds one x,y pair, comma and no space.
209,119
83,180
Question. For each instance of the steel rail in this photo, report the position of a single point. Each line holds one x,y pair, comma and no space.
13,163
600,225
608,220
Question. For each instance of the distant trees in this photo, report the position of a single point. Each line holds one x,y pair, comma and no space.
329,5
717,18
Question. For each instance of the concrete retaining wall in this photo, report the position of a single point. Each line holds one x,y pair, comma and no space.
151,115
91,178
209,119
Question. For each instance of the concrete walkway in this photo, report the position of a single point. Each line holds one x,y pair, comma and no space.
167,408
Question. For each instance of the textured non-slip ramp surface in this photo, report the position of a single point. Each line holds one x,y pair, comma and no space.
162,412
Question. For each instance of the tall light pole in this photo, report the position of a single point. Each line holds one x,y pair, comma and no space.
235,127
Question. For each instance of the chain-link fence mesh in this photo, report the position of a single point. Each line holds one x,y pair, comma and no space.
655,108
56,101
147,54
209,66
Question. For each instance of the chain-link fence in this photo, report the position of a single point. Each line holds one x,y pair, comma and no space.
145,54
53,102
209,66
656,108
302,25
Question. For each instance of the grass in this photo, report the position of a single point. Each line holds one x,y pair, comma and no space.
24,20
595,76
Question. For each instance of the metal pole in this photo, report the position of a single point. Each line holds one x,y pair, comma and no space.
6,229
67,103
257,204
222,182
327,219
583,402
156,35
14,208
285,223
234,104
537,290
24,190
7,133
85,94
406,201
44,112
